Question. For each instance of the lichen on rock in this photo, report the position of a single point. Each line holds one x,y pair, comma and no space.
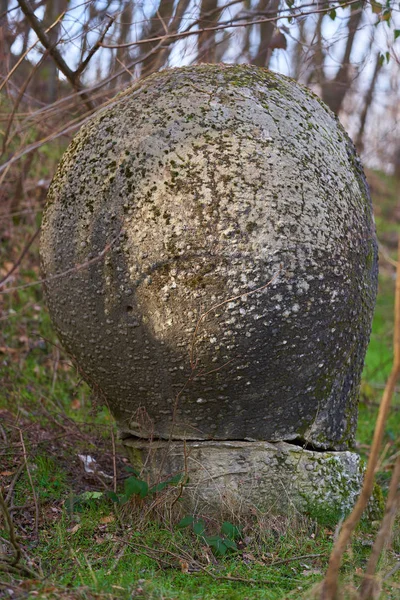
228,477
185,197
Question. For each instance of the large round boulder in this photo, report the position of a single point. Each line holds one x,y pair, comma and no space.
171,211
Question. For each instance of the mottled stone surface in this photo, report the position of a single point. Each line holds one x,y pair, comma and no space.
238,477
207,182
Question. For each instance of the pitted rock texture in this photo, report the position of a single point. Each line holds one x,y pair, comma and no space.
170,212
228,477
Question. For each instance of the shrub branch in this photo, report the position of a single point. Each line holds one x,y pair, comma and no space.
330,584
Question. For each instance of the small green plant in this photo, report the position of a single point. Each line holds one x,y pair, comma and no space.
220,544
77,504
135,486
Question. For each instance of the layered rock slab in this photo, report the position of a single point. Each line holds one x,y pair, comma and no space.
238,478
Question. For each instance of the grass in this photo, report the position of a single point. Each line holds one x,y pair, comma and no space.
90,548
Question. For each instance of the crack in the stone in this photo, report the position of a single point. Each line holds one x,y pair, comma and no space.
297,442
302,443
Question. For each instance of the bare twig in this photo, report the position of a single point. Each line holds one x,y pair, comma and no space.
284,561
114,458
369,584
392,571
330,584
11,531
21,437
72,76
77,267
11,487
231,24
12,564
94,48
19,98
6,277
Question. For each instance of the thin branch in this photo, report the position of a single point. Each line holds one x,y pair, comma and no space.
367,589
114,458
330,584
74,269
8,564
293,559
11,531
20,259
19,98
94,49
231,24
38,28
21,437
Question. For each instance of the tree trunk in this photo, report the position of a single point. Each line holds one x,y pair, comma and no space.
158,23
367,104
50,70
206,40
6,39
123,38
263,54
334,90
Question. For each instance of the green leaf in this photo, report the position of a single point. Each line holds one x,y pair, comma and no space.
387,56
217,544
77,503
396,33
332,14
381,59
230,531
230,544
175,480
158,488
132,470
91,495
199,527
112,496
161,486
376,7
185,522
133,485
220,549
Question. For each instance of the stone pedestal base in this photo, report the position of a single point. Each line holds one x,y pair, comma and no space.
239,477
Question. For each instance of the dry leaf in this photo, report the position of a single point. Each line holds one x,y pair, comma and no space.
75,404
6,268
7,350
108,519
184,566
7,473
99,540
75,528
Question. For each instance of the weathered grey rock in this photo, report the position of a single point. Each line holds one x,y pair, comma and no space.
237,477
203,184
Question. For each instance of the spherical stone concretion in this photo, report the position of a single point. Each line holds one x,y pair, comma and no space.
169,214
